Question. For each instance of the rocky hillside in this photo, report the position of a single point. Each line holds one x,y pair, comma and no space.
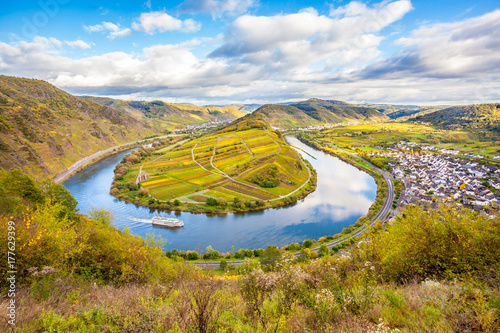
43,129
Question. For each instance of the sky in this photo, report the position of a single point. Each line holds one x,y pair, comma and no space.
422,52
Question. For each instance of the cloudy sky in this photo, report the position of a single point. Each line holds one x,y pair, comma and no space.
251,51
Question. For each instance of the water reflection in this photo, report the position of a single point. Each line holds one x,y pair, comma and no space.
343,195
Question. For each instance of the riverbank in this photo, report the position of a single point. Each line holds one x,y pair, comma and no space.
96,157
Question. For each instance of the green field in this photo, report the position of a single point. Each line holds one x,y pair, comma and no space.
250,165
370,136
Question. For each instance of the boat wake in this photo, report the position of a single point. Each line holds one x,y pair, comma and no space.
140,220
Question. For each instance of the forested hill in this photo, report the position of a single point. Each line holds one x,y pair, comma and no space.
43,129
171,115
482,116
316,112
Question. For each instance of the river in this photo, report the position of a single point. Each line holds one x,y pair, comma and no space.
343,195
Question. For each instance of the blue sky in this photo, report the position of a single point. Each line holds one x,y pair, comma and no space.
250,51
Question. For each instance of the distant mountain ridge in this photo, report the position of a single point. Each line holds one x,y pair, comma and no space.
43,129
395,111
485,116
171,114
315,112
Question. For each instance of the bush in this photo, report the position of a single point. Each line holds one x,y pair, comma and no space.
269,184
132,186
323,250
221,202
442,243
270,257
144,192
211,202
307,243
193,255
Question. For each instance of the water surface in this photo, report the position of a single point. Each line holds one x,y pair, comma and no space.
342,196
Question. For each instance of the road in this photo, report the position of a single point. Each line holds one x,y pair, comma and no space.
80,163
380,216
61,177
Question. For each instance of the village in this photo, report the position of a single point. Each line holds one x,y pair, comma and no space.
440,173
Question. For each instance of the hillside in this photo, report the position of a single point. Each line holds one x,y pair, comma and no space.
246,108
316,112
481,116
169,115
394,111
244,169
43,129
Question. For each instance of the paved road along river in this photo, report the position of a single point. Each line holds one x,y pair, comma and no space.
343,195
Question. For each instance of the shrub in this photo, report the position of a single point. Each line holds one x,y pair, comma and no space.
441,243
307,243
193,255
211,202
144,192
270,257
323,250
221,202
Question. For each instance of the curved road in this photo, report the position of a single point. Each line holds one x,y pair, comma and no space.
59,178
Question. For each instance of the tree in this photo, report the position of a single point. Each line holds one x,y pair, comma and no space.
58,194
307,243
323,250
270,257
193,255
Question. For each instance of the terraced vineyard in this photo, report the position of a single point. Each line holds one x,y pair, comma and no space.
255,166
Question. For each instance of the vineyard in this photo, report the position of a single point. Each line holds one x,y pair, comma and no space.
252,165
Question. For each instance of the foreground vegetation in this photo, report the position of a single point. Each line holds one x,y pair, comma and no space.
427,271
248,169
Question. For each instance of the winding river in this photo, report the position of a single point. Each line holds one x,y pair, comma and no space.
342,196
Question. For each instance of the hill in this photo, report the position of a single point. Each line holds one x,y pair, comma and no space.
246,108
394,111
315,112
43,129
481,116
170,115
248,168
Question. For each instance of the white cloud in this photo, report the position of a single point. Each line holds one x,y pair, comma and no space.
467,48
80,44
161,21
306,41
93,28
216,8
286,57
114,30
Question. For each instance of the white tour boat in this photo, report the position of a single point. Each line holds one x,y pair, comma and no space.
167,221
